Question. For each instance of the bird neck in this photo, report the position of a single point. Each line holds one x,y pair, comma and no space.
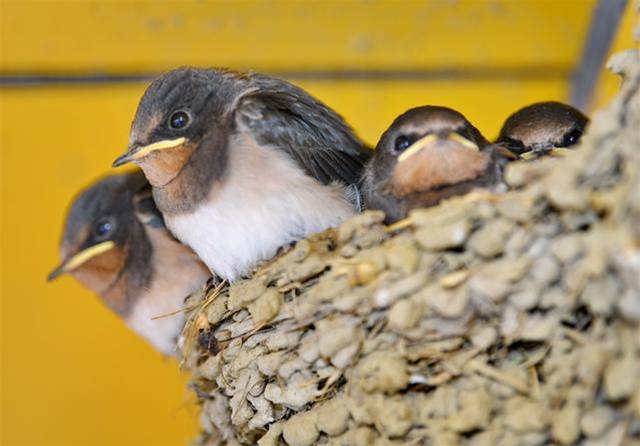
191,185
134,275
177,269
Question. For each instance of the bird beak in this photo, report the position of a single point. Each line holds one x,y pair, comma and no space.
559,151
138,152
82,257
431,138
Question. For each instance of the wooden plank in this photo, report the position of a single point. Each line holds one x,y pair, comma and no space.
141,36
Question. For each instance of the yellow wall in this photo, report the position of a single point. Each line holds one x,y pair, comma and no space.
71,373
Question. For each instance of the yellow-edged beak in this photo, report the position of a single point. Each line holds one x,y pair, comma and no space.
141,152
554,151
429,139
82,257
559,151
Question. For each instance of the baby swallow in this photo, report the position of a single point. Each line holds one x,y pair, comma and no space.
115,244
428,154
541,129
242,164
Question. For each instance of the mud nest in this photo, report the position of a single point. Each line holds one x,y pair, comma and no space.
508,319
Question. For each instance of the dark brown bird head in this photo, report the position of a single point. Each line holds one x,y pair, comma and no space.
181,112
542,128
428,147
100,229
429,153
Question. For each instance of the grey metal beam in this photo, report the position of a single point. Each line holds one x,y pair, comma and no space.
602,29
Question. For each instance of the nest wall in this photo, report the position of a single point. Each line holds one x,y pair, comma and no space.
507,319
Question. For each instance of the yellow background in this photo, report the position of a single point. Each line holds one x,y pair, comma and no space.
71,373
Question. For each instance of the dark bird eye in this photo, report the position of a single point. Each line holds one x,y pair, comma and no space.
103,228
402,143
514,145
179,120
572,138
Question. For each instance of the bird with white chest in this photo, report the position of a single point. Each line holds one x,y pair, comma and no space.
243,164
116,244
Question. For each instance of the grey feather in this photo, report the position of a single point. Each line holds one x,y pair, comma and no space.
284,116
146,210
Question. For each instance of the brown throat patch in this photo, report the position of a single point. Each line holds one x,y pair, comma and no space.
162,166
192,184
103,275
442,164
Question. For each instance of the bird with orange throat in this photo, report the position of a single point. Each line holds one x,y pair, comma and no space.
428,154
116,244
243,164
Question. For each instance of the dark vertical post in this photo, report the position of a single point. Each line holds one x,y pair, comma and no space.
604,23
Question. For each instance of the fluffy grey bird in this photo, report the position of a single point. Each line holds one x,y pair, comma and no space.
542,128
429,153
242,164
115,244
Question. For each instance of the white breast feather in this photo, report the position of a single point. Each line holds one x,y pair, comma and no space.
163,332
265,202
177,274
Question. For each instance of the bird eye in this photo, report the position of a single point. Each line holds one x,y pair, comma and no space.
178,120
515,145
572,138
103,228
402,143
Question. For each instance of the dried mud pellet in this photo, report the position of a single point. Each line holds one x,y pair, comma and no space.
565,427
332,417
382,372
266,307
405,314
300,430
393,417
243,292
620,377
595,422
490,240
272,437
443,237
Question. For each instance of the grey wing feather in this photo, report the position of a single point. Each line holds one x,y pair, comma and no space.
146,210
316,137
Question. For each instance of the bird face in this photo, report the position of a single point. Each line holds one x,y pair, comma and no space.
98,229
541,128
429,147
178,113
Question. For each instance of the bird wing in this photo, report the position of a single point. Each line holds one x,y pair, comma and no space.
145,208
315,137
